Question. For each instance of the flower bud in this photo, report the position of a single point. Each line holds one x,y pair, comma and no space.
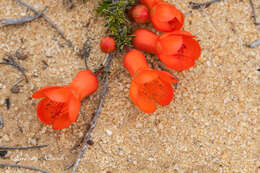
108,44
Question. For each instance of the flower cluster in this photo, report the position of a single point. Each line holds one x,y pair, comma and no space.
176,48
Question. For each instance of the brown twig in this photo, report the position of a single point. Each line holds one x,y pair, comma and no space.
252,45
50,22
11,61
254,13
22,147
96,115
23,19
70,4
195,5
22,166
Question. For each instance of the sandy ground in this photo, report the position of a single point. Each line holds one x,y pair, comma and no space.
211,126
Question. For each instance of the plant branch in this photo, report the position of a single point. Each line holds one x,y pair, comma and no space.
23,19
23,166
195,5
252,45
70,4
22,147
1,122
254,13
50,22
11,61
96,114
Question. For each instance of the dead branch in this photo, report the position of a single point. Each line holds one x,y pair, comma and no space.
96,114
23,19
1,121
252,45
195,5
22,166
22,147
70,4
254,13
11,61
50,22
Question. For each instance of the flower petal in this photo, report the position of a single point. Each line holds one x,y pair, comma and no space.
167,97
161,26
133,92
45,112
167,77
74,108
145,76
177,62
61,122
169,45
146,105
41,92
59,95
192,48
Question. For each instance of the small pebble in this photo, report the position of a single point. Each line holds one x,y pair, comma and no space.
90,142
3,153
109,132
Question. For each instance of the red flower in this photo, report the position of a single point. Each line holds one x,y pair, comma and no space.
166,17
148,86
178,50
60,105
145,40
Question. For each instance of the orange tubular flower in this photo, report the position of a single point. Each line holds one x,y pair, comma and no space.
145,40
178,50
166,17
60,105
150,3
148,86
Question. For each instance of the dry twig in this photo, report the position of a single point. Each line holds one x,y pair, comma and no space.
1,122
97,112
70,4
254,13
11,61
22,147
50,22
23,19
22,166
84,52
252,45
195,5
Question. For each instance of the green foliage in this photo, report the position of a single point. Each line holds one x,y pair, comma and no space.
114,11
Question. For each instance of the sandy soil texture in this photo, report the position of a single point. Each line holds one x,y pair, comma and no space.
211,126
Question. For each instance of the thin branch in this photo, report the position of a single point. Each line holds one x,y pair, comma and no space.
195,5
70,4
11,61
96,115
23,19
1,122
84,52
50,22
252,45
22,166
254,13
22,147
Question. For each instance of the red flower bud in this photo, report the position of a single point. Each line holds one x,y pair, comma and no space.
108,44
140,14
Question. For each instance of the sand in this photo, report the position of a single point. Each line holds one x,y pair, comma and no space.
211,126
